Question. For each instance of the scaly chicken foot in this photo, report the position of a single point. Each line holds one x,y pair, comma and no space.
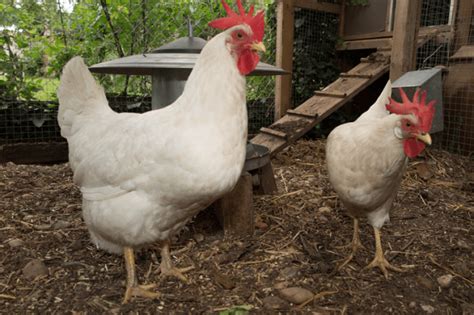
133,288
379,259
166,266
355,244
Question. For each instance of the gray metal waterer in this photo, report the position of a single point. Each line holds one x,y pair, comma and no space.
169,67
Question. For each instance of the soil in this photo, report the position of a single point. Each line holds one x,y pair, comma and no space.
48,265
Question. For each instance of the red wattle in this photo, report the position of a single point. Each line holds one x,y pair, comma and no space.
247,61
413,147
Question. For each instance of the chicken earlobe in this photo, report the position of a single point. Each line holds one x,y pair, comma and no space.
133,288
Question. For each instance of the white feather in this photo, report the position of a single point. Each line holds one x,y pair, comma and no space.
143,176
366,162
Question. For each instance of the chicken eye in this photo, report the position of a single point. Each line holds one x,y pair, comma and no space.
408,124
240,35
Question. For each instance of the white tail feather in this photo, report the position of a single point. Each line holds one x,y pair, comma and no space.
78,94
378,110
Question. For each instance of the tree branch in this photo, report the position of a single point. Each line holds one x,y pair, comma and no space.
118,46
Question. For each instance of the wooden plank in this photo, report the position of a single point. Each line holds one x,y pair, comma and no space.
272,143
305,115
373,35
34,153
235,210
463,23
381,40
405,35
464,53
284,56
318,6
365,44
295,126
273,132
355,75
330,94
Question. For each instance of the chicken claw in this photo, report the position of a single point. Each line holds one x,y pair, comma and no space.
379,259
167,268
355,245
133,288
142,291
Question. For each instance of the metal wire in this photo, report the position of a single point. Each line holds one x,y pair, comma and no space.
148,25
458,92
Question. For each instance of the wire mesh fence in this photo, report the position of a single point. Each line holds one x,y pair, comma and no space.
452,49
315,39
36,47
38,44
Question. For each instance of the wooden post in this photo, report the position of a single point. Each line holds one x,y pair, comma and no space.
463,23
284,56
405,33
342,17
267,184
235,210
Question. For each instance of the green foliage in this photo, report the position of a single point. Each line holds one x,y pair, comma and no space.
39,37
313,53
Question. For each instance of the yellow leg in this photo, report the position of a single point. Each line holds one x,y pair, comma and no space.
167,268
355,244
133,289
379,259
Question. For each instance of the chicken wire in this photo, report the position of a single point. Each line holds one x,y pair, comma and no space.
458,87
157,23
314,53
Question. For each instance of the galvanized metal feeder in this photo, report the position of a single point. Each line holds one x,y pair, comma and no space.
429,80
169,67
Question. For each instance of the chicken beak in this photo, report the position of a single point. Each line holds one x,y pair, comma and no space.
258,47
424,137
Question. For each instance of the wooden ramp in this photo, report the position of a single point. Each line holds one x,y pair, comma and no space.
303,118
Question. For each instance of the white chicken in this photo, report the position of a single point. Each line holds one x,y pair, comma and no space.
144,176
366,160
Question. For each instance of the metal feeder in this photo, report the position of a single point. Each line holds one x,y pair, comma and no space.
169,67
429,80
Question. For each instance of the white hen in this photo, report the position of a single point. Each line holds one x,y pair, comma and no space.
366,160
144,176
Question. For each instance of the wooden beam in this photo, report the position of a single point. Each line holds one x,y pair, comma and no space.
318,6
405,35
342,18
463,53
365,44
34,153
463,23
368,36
284,56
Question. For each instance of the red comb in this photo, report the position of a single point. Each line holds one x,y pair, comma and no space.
418,107
256,23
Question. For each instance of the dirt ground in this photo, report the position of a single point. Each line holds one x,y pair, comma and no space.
48,265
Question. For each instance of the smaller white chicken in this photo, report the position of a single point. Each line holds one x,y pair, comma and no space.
367,158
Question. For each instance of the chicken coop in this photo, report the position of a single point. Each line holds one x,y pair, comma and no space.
338,56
